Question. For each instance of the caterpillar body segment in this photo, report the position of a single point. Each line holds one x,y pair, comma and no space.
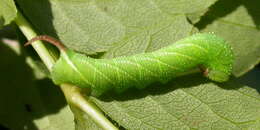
140,70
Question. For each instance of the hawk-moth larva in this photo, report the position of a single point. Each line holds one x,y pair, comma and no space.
140,70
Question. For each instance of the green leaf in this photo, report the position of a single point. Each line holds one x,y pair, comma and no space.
7,12
237,22
132,26
100,26
196,104
193,10
25,103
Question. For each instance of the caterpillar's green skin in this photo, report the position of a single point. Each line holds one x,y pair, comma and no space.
140,70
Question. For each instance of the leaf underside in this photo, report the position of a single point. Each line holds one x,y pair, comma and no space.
128,27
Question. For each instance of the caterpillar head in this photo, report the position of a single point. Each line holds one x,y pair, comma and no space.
220,67
218,74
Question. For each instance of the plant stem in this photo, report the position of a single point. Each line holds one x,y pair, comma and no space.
71,93
75,97
38,46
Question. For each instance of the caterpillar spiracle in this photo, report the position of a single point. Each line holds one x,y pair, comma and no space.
200,50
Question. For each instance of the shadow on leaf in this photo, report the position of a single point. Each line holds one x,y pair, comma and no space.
224,7
183,82
23,99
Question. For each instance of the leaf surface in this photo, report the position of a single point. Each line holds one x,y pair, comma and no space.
27,103
196,104
7,12
239,24
128,27
111,26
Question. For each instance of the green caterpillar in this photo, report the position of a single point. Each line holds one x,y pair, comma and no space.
118,74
